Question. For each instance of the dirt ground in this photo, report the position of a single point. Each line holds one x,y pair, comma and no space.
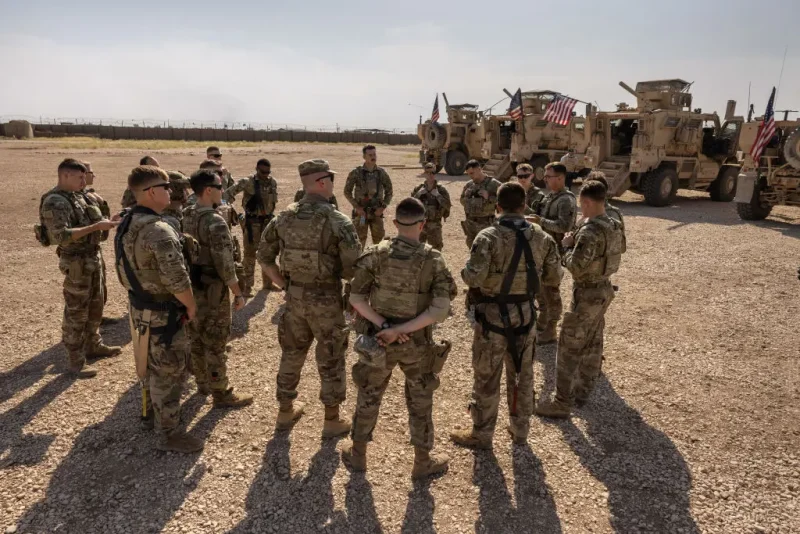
695,426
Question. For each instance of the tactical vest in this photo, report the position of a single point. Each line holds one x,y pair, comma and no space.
614,213
201,266
493,283
476,205
303,259
259,202
608,263
433,210
84,217
550,201
371,187
403,282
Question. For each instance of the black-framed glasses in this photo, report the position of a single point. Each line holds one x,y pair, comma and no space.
165,185
523,176
331,176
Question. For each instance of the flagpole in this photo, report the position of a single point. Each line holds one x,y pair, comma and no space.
780,77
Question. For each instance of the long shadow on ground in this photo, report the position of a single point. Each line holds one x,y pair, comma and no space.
113,480
240,323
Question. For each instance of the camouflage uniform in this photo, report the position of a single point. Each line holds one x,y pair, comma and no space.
534,197
595,256
437,207
558,212
81,263
489,261
173,213
318,247
369,190
401,279
211,273
258,202
300,193
154,252
128,199
616,214
479,211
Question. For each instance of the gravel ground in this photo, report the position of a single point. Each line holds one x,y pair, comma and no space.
694,426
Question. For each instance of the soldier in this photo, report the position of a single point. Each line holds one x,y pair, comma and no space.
73,220
369,190
479,199
318,247
400,289
259,199
534,196
592,255
507,263
150,265
128,199
212,274
214,153
173,214
437,207
105,209
556,216
612,211
300,193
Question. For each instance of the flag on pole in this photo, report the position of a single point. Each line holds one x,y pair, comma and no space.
560,110
765,131
515,108
435,114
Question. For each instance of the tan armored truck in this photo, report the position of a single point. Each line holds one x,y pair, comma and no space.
775,181
663,145
452,144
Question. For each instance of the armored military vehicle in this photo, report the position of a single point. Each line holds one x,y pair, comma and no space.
775,179
663,145
452,144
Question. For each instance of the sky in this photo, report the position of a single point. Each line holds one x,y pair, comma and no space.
379,64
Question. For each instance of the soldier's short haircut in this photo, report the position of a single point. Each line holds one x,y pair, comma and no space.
71,164
524,167
144,174
410,211
367,147
472,164
558,168
594,190
212,149
210,164
146,160
263,162
597,176
202,179
511,197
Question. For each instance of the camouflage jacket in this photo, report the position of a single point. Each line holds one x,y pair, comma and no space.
586,260
62,212
558,212
155,252
174,216
436,200
616,214
128,199
213,236
474,204
365,188
300,193
534,198
402,279
490,259
316,243
269,194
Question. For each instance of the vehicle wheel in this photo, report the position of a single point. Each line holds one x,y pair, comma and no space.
435,135
723,189
455,162
753,210
660,187
538,163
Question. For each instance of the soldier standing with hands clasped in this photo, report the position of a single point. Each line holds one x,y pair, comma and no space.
369,189
479,199
436,200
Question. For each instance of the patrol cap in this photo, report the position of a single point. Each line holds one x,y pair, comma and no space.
311,166
430,167
178,178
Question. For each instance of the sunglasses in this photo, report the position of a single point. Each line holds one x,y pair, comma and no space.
523,176
165,185
331,176
215,156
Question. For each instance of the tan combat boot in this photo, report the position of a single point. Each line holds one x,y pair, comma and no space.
180,442
555,409
465,438
427,464
518,438
103,351
334,425
228,399
354,455
288,415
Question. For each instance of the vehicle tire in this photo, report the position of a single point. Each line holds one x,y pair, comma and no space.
660,187
791,148
455,162
723,189
435,136
753,210
538,163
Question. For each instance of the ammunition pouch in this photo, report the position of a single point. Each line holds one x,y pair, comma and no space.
249,220
435,357
369,351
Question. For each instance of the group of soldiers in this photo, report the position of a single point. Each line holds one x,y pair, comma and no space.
177,258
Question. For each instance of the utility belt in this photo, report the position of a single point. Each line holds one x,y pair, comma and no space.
203,275
488,219
85,253
175,311
322,286
250,219
591,285
503,302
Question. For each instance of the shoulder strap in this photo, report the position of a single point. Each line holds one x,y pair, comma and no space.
119,249
255,200
522,247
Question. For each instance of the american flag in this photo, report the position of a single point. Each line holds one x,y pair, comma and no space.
435,114
515,108
765,131
560,110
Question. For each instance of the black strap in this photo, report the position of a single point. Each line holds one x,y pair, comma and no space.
254,203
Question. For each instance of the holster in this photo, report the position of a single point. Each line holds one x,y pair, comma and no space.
140,336
436,356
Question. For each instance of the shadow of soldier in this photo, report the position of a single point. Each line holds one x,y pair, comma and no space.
420,508
279,502
240,323
535,509
114,480
647,479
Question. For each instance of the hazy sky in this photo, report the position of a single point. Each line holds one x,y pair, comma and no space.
362,63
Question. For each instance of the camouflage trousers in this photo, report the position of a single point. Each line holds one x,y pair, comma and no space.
83,306
209,333
313,314
249,256
548,300
580,346
371,224
432,234
471,227
419,388
489,355
165,372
